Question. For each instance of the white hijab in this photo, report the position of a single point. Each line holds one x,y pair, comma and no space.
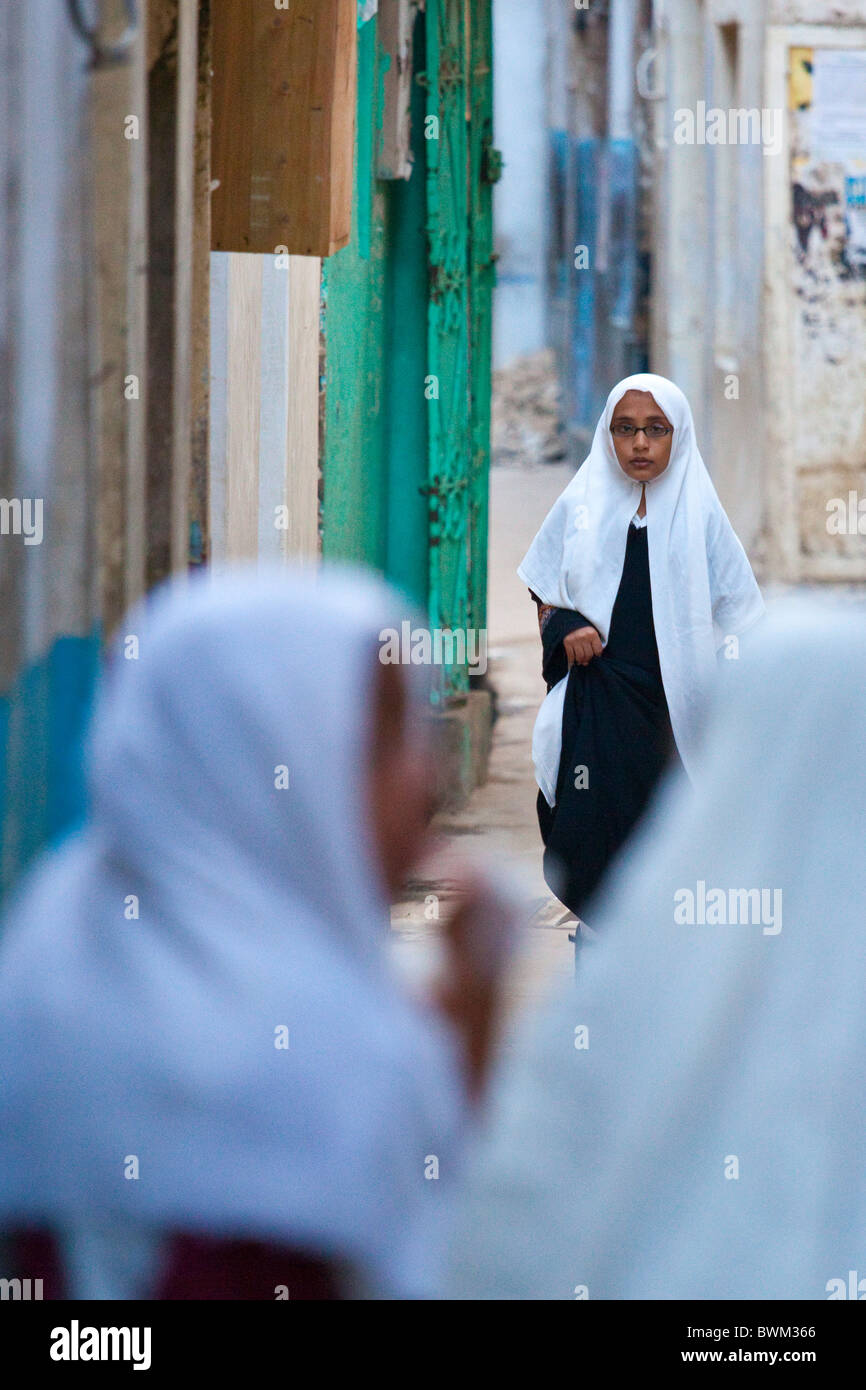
703,588
259,908
608,1169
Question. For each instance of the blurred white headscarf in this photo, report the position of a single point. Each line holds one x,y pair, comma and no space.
149,963
703,588
706,1137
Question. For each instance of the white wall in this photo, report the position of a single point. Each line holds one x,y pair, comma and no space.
520,198
708,252
45,352
733,298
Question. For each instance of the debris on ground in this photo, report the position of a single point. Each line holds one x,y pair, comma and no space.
526,413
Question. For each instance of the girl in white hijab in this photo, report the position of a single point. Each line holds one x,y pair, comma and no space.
201,1036
639,579
686,1121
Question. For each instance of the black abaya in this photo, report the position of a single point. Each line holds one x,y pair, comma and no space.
615,725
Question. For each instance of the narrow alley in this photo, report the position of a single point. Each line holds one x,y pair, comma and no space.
500,816
541,323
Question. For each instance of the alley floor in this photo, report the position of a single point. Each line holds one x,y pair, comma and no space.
500,817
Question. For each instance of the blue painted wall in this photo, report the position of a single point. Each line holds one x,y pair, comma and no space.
43,719
594,313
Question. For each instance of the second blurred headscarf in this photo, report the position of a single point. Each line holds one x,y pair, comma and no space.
687,1120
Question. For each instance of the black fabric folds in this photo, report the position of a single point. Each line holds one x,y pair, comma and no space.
616,736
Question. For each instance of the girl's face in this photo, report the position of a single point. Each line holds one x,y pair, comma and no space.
641,457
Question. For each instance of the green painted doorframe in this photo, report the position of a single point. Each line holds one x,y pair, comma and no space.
407,313
485,169
406,357
461,168
354,482
448,339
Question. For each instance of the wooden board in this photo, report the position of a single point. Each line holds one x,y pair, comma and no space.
264,392
302,451
284,84
243,406
172,96
200,364
396,19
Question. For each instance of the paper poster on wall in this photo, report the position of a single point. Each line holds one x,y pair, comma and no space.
839,104
855,215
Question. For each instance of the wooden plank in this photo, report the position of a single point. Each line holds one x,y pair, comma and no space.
217,422
172,85
243,373
200,362
342,134
185,173
11,142
118,131
302,453
273,391
282,155
136,363
396,19
264,389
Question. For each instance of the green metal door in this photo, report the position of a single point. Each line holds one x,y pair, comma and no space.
460,163
485,168
448,391
407,394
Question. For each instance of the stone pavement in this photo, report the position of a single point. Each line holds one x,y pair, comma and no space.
500,817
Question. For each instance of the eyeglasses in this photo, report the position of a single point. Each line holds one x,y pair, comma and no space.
623,430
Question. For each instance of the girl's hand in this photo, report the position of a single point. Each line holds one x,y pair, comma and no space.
582,645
